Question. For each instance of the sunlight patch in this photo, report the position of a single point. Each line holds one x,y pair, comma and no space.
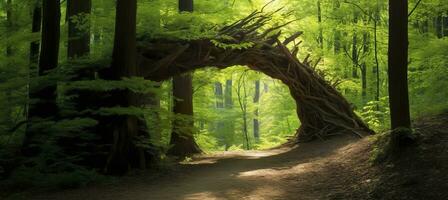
276,172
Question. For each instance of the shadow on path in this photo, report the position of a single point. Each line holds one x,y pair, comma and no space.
315,170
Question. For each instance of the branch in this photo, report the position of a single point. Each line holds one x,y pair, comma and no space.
360,8
292,38
17,126
415,7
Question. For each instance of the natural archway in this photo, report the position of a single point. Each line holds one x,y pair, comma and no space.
322,110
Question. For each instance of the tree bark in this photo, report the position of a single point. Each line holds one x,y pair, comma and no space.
124,153
44,105
183,143
182,140
398,64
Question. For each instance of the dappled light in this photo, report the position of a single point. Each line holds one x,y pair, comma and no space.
223,99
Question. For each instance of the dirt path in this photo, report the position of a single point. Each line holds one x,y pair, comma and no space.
318,170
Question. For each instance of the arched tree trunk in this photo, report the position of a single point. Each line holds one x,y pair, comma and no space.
322,110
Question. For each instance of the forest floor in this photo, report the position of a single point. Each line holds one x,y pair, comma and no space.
338,168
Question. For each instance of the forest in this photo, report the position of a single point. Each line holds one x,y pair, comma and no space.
225,99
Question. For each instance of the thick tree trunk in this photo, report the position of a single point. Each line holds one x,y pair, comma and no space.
182,140
44,98
398,64
124,128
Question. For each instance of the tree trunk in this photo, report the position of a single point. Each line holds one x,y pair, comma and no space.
183,142
376,69
398,64
228,105
35,28
337,33
182,139
320,39
242,101
124,128
256,113
219,101
44,98
365,50
355,57
79,40
220,125
186,5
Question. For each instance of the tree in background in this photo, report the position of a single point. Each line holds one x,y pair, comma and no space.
36,24
256,121
242,95
78,12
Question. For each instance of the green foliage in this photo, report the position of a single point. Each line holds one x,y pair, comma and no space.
376,114
240,46
217,128
221,127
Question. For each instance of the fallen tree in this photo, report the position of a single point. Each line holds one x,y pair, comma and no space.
321,109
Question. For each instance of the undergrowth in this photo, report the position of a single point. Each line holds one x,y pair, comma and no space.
389,144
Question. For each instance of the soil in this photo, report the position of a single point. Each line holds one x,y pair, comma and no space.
338,168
